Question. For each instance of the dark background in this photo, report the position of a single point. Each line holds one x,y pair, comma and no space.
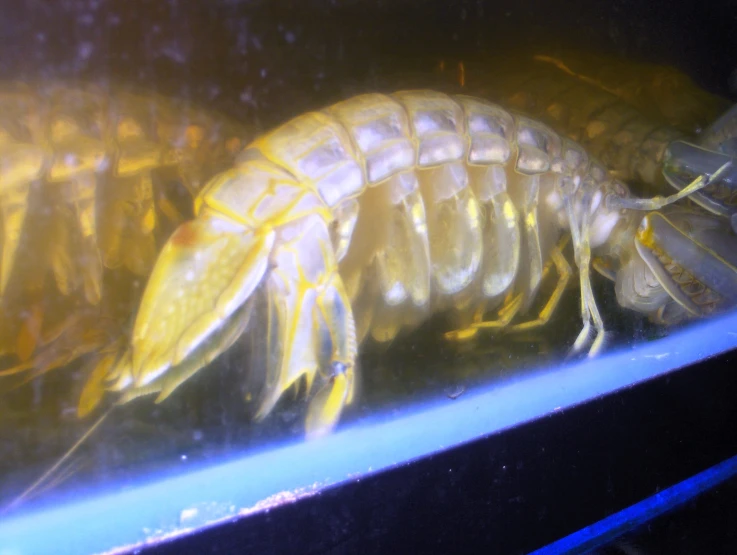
269,60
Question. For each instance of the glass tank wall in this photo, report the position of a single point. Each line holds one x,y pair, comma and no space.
197,326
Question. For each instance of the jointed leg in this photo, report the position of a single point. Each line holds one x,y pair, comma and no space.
589,310
505,315
564,276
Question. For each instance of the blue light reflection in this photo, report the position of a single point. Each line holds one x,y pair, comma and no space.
172,505
624,521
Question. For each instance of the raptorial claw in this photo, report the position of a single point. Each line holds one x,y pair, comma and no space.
207,269
199,296
166,383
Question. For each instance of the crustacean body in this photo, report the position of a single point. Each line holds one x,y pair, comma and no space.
365,218
86,186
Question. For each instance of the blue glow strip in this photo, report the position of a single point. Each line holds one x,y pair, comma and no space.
174,504
613,526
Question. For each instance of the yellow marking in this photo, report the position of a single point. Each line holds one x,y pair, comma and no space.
238,217
504,316
462,335
293,316
564,275
646,235
322,211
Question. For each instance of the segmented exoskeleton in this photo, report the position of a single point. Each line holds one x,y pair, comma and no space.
625,113
641,120
367,217
84,176
646,122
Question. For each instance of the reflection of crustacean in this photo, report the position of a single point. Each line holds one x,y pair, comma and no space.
661,92
624,113
84,177
367,217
